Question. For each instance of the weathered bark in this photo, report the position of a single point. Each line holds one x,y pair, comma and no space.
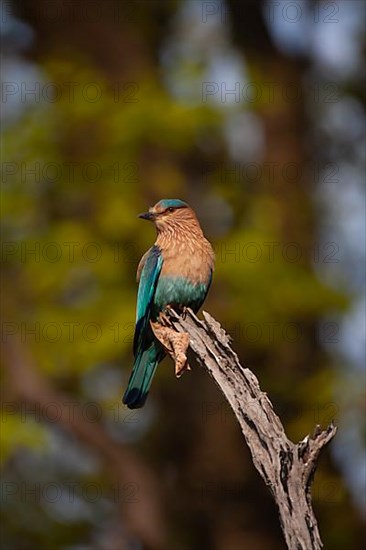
287,468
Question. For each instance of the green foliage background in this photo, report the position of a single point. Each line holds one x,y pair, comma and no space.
101,162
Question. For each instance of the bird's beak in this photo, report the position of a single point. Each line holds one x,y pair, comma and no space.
146,216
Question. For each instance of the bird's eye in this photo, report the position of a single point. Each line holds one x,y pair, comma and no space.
171,209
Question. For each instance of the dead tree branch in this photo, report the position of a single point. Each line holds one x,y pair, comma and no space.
287,468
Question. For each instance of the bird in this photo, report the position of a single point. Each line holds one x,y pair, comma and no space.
175,272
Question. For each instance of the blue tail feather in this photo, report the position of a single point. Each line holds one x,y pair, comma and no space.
141,377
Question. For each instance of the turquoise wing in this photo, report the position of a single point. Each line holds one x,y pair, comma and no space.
147,351
145,296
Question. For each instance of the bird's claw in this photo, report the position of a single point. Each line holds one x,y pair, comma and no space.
176,345
184,312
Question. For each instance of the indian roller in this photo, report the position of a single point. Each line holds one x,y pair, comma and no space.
176,271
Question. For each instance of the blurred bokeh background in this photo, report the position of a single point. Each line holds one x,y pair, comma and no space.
253,112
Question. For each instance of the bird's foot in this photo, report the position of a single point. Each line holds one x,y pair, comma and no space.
184,313
176,344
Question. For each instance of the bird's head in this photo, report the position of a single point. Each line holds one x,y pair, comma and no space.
167,212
